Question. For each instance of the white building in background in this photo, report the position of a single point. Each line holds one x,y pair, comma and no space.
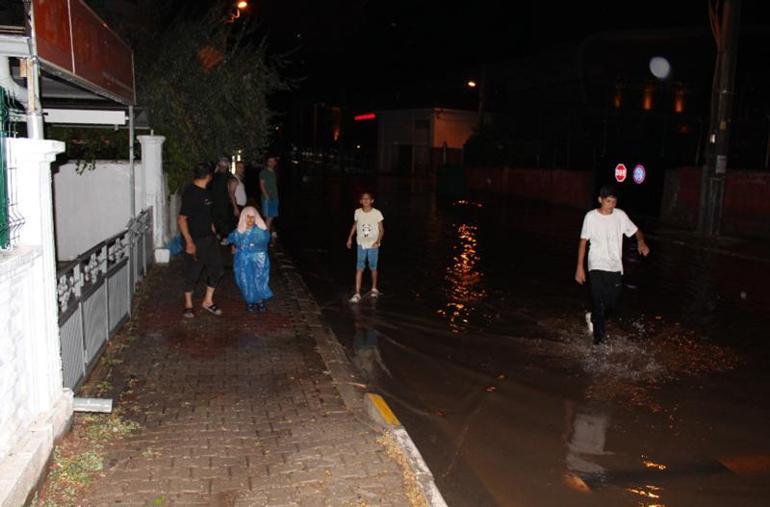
418,141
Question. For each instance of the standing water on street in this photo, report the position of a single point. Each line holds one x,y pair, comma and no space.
479,343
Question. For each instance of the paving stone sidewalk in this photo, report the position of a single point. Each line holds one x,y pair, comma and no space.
239,409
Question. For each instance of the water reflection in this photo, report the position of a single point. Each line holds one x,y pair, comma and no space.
647,493
651,464
366,350
463,279
586,439
463,202
591,466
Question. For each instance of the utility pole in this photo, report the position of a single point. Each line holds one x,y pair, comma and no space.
718,141
315,128
482,97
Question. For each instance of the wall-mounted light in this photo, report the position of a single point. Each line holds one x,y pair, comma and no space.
647,99
679,101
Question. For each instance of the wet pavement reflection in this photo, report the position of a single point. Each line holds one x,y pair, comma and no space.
478,343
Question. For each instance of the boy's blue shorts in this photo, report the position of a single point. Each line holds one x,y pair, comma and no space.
269,208
364,254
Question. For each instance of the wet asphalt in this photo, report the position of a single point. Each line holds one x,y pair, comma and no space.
480,346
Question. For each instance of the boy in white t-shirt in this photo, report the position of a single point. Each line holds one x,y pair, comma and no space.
369,231
603,229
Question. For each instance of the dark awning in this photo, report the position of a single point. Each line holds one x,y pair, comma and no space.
81,59
86,71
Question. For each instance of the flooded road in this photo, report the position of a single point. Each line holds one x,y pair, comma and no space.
479,345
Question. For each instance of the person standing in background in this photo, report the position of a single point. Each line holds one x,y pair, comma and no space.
268,184
237,190
222,205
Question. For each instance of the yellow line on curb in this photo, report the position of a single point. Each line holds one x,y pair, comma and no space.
385,412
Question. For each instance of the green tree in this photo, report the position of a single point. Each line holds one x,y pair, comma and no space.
206,83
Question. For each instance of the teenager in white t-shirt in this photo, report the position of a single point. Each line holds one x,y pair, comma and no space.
369,231
603,230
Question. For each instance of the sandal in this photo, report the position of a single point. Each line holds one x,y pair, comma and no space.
213,309
188,313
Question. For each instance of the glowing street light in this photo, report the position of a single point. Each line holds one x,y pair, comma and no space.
471,84
236,11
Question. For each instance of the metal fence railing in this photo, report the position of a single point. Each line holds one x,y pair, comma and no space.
10,221
94,294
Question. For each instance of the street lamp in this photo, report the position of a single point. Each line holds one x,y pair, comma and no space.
237,8
473,84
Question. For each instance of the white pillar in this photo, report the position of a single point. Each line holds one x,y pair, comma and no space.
30,161
153,192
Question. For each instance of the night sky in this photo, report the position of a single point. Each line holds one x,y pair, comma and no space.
355,46
364,52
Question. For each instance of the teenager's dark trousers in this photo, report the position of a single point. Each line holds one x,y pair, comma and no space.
605,292
206,256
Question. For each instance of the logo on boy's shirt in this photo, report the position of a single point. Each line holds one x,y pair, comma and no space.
366,229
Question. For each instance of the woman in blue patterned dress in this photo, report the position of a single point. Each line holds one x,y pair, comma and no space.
251,263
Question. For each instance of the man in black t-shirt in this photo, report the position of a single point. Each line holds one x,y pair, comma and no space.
201,245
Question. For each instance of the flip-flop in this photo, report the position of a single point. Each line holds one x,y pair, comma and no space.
213,309
188,313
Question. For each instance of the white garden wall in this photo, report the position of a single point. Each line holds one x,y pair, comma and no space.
34,407
96,204
91,206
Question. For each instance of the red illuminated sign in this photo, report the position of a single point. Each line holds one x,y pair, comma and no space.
364,117
620,173
73,41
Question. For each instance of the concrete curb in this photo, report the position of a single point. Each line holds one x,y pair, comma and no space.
379,410
352,389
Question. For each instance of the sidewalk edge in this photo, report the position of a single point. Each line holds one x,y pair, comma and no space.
379,410
353,391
